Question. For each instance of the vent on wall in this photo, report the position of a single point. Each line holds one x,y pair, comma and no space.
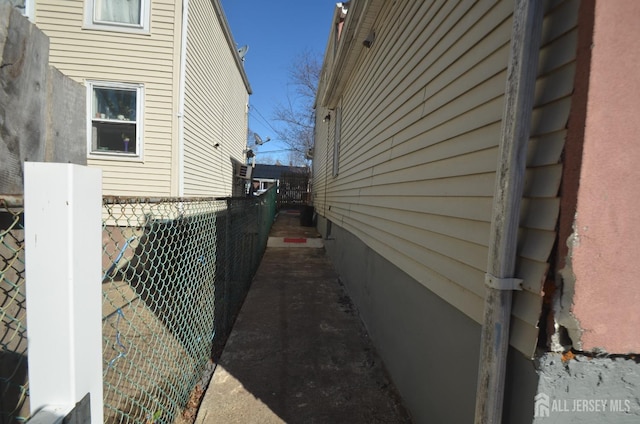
243,171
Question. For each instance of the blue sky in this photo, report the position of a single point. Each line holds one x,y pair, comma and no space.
275,33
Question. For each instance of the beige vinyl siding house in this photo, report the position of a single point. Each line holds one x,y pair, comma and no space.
216,103
139,65
405,160
147,60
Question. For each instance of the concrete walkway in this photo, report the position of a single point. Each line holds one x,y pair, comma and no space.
298,352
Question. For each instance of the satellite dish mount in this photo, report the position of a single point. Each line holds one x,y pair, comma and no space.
242,52
258,139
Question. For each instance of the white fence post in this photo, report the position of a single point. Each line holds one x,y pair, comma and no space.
63,241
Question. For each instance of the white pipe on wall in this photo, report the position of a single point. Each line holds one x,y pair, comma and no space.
181,95
516,123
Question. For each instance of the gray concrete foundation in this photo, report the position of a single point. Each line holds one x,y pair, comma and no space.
587,390
430,349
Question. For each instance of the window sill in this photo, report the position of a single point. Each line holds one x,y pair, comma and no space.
116,28
113,156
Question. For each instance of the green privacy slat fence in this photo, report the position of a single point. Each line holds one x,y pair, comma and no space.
14,405
175,273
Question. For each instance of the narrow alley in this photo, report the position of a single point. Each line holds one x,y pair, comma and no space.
298,351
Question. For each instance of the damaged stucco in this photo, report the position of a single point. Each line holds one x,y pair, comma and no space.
597,297
563,301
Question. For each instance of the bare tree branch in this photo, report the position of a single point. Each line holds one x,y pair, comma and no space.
298,114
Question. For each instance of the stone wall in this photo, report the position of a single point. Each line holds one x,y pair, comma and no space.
41,111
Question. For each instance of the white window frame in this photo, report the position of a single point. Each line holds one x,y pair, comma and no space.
91,23
336,140
29,10
113,155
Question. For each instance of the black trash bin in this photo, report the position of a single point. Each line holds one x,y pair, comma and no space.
306,216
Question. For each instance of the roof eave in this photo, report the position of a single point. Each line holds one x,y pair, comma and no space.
358,24
232,44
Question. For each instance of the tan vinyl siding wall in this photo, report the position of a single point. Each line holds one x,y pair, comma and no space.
85,54
541,204
215,106
420,130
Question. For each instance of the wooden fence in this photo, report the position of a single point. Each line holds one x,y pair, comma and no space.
294,190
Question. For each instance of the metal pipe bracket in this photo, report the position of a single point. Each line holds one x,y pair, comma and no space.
494,282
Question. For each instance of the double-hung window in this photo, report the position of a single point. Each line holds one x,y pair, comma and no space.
118,15
115,119
337,135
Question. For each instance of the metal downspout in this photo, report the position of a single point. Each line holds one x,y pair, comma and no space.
181,95
499,281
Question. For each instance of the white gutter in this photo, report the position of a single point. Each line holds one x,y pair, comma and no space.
181,95
516,122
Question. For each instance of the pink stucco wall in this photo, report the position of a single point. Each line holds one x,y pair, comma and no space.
606,253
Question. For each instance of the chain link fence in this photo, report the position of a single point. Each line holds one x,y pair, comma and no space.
14,406
175,273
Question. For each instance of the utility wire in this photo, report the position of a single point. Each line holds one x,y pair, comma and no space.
263,118
276,151
259,120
